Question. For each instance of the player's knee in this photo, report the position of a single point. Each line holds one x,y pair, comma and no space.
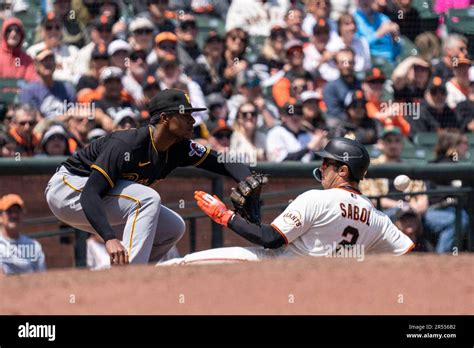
152,200
180,227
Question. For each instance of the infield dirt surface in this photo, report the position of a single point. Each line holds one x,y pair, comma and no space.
412,284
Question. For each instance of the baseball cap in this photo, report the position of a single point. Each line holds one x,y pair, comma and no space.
321,27
310,95
404,212
188,21
356,98
437,84
462,59
123,114
53,130
391,130
213,36
110,72
43,54
140,23
103,22
10,200
171,100
100,52
277,32
215,99
50,17
375,75
118,45
165,36
95,134
293,44
151,82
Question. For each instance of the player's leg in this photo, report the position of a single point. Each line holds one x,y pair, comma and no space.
222,255
170,229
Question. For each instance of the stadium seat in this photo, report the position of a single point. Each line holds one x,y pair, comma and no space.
429,18
426,139
9,88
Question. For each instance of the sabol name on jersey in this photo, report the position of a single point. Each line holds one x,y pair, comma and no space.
355,213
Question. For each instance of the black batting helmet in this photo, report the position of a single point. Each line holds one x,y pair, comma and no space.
348,151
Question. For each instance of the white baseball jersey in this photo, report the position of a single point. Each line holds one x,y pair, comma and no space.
319,222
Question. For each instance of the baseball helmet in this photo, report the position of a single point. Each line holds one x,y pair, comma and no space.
348,151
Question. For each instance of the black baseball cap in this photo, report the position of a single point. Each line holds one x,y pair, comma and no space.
171,100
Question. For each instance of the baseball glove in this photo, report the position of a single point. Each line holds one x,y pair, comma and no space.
246,197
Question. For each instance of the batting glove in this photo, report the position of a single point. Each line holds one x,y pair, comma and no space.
213,207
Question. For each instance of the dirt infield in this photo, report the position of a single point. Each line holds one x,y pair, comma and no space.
413,284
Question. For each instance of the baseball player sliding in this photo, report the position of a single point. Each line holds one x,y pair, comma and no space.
103,188
316,223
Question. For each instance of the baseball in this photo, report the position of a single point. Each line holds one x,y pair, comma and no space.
401,182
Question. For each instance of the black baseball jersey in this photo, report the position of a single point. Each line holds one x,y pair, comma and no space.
132,155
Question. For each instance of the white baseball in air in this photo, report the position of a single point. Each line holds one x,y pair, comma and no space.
401,182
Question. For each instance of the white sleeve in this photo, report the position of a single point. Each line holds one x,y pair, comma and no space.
276,149
393,240
298,217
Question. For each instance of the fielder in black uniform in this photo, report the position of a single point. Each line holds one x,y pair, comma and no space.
104,189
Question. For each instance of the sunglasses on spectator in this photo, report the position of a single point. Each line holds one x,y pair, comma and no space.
104,29
24,123
136,56
235,38
223,135
13,28
248,114
167,47
188,26
50,27
143,32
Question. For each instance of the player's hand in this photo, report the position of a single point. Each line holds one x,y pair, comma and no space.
118,254
213,207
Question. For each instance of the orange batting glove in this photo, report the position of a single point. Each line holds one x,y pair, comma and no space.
213,207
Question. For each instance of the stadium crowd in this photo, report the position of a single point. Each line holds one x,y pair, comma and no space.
279,78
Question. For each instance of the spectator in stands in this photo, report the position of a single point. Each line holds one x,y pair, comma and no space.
135,76
99,60
21,130
100,33
26,254
54,142
165,46
188,49
429,48
410,79
150,88
358,125
335,92
14,62
386,112
346,28
79,123
220,135
281,90
315,10
272,55
208,70
235,45
249,90
126,119
441,216
141,34
111,101
157,12
65,55
256,17
435,114
458,86
288,141
466,108
74,32
409,222
119,54
48,95
246,140
380,32
392,146
453,46
218,111
406,16
319,53
294,24
313,118
7,145
8,114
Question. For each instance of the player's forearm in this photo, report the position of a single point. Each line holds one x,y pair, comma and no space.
237,171
91,202
264,235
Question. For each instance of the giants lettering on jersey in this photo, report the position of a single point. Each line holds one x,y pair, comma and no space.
293,218
355,213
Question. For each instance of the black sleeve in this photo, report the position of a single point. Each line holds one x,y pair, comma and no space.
264,235
236,171
296,156
91,200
